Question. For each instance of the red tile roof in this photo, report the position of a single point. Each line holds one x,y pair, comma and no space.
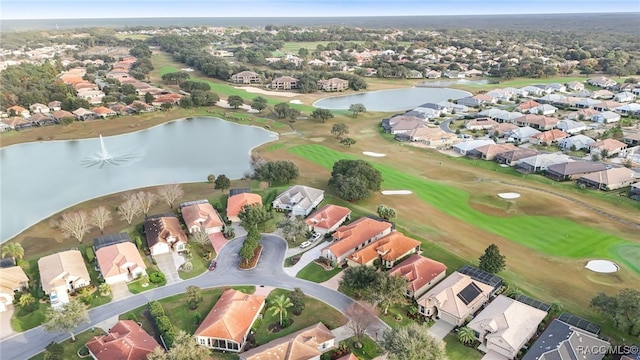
356,233
551,136
390,248
201,215
125,341
232,316
327,216
418,270
528,105
236,202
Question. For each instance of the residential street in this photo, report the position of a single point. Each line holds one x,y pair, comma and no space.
269,272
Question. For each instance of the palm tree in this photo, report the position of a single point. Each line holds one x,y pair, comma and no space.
280,305
104,289
466,335
14,250
26,300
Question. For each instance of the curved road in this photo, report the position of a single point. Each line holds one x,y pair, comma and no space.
269,272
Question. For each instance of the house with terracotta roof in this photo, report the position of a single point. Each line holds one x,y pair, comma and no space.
17,122
606,105
333,84
549,137
526,105
12,279
538,122
246,77
103,112
201,217
126,340
61,273
388,249
298,199
421,272
18,111
601,81
349,356
490,151
237,202
611,146
327,218
513,157
285,83
573,170
353,237
454,299
164,234
120,262
59,114
505,326
433,136
611,179
503,128
83,114
40,119
228,323
306,344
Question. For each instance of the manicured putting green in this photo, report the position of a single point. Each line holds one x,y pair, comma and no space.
549,235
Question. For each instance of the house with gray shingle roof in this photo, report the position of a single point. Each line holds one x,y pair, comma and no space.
299,199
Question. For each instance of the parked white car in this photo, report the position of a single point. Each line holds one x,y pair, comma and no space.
305,244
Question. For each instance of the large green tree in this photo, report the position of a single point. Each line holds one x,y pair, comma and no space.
259,103
412,342
194,296
276,172
388,291
235,101
348,141
356,109
70,316
322,114
492,261
281,110
623,309
360,280
222,182
355,180
339,129
293,228
254,215
297,298
279,306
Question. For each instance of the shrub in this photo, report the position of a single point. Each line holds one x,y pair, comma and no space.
54,351
157,277
133,317
91,256
138,242
155,309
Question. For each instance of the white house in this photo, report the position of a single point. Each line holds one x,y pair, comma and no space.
624,96
521,134
299,199
606,117
466,146
571,127
12,279
544,109
120,262
61,273
577,142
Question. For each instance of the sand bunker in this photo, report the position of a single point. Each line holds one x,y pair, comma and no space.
295,102
509,195
374,154
602,266
396,192
253,90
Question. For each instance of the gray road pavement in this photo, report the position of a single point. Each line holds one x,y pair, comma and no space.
269,272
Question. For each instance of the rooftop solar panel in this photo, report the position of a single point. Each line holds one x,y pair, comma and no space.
469,293
580,323
482,276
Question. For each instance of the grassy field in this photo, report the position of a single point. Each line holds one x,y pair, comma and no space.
314,272
550,235
457,351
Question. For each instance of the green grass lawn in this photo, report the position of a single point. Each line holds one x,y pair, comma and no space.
71,348
549,235
315,311
24,319
200,265
314,272
457,351
369,350
398,309
135,287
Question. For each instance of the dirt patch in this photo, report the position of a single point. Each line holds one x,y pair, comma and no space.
318,139
275,327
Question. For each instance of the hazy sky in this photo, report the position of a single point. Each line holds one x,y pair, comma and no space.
69,9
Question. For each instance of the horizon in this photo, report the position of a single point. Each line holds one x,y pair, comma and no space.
147,9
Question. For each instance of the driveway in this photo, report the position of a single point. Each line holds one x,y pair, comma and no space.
120,290
5,322
167,264
268,272
306,258
440,329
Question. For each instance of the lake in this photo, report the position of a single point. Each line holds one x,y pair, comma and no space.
392,100
42,178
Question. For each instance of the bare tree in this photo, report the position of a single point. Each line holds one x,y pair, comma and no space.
361,315
200,237
170,193
129,209
100,217
146,200
74,223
